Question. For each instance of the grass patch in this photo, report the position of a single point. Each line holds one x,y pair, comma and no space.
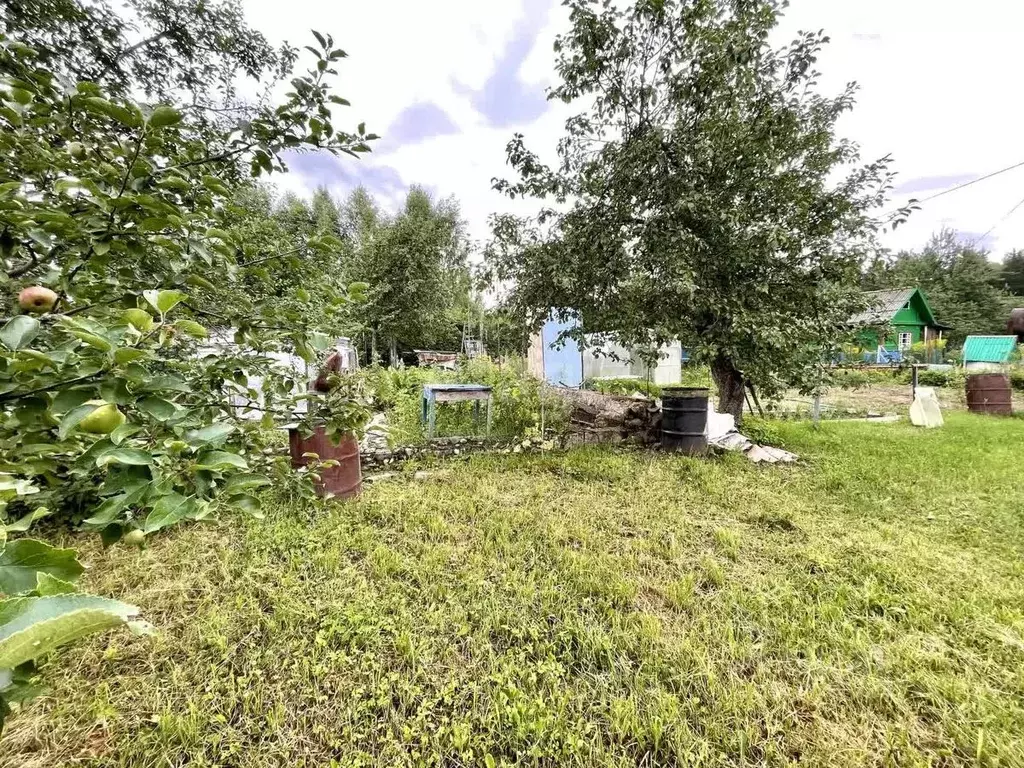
592,608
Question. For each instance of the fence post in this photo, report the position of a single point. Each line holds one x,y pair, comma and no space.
816,410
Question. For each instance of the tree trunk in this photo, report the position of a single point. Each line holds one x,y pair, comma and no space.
730,387
392,351
373,348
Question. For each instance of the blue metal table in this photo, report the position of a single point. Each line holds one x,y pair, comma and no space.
454,393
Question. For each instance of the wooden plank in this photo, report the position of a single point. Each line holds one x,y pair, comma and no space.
441,396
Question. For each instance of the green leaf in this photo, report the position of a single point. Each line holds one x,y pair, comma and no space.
214,184
163,116
166,383
125,480
217,460
164,301
124,431
124,455
108,511
91,339
22,559
245,483
74,417
176,183
158,408
250,505
24,523
18,485
128,354
48,585
70,398
220,234
111,534
128,117
168,510
192,328
200,282
116,391
19,331
212,434
139,319
31,627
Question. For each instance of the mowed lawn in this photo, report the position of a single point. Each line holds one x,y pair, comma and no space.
593,608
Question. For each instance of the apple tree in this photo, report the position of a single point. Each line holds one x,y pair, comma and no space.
701,194
125,404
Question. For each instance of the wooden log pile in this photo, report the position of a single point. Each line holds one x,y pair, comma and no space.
598,418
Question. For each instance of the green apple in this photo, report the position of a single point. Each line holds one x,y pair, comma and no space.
37,299
134,536
103,420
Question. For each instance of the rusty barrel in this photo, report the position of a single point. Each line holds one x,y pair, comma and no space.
684,419
990,393
343,481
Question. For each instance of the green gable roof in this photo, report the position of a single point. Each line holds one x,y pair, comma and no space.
884,305
989,349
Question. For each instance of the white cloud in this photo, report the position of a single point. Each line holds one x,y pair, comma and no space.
409,51
938,92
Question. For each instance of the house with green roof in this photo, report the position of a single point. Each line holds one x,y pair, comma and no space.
896,320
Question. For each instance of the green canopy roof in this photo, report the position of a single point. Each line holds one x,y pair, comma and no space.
989,349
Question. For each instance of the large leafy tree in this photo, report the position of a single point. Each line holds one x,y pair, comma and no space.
702,194
283,274
415,266
118,412
1011,275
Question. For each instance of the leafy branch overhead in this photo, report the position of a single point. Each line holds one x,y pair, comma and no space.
129,339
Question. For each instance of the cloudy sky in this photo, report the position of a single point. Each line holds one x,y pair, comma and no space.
447,82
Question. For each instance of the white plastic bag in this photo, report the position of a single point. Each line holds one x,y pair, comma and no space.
924,411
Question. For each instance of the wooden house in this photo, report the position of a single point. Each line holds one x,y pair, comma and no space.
896,320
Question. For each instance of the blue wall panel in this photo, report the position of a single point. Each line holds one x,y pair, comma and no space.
563,367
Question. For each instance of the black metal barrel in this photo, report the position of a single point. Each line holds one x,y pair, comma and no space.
684,419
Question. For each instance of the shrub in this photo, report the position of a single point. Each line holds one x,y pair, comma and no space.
934,378
520,402
851,378
762,431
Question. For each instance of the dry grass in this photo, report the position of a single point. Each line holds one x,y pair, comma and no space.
591,608
883,398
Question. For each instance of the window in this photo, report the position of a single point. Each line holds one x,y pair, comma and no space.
906,339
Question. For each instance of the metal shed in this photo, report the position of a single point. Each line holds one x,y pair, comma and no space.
982,351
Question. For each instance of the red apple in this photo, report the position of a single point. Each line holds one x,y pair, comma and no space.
37,299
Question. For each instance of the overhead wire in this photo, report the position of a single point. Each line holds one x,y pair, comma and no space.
957,188
1006,215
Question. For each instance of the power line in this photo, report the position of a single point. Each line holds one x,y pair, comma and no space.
1006,215
969,183
958,187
